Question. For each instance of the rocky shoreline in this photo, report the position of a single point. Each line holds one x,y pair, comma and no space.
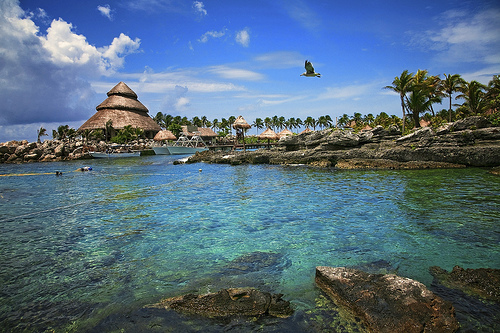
55,150
469,142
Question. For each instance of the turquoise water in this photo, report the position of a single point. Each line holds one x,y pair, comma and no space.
85,251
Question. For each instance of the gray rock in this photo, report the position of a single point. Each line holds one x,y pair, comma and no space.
387,302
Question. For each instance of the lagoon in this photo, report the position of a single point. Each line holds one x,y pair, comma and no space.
85,251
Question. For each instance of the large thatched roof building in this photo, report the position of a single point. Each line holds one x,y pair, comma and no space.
123,108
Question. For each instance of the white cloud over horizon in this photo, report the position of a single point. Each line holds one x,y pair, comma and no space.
48,74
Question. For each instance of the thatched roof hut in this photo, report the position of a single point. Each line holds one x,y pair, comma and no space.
164,135
268,134
285,132
240,122
307,130
123,108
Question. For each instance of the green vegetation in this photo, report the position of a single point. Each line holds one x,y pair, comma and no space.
418,93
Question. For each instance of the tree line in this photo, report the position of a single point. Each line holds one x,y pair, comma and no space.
418,93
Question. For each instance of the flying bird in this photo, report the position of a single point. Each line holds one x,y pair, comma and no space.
310,70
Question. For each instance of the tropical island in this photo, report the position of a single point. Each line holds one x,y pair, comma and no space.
122,119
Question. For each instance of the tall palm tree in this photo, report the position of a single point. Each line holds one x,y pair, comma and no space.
231,121
473,93
493,93
322,122
268,122
423,93
298,123
215,124
451,84
344,120
402,86
258,124
310,122
204,121
281,122
41,132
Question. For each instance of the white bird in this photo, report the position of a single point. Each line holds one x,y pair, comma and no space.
310,70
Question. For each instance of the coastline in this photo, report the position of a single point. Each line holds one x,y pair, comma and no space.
472,142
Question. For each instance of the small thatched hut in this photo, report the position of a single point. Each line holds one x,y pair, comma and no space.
206,133
307,130
122,108
268,134
285,132
164,135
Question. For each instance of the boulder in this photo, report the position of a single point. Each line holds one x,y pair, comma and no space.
387,302
482,282
229,302
472,123
59,151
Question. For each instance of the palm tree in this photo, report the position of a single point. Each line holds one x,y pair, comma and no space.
493,93
344,120
275,122
451,84
196,121
258,124
298,123
204,121
290,123
322,122
215,124
402,86
108,128
268,122
310,122
281,122
41,132
473,93
422,94
137,132
231,121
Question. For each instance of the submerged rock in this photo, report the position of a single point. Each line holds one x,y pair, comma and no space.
230,302
482,282
387,302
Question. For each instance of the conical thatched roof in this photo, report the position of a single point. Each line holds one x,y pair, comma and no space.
285,132
123,108
204,132
164,135
307,130
268,134
240,122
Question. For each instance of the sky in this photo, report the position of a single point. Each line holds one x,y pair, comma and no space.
222,58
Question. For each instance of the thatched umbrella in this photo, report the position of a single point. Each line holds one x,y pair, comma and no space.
164,135
240,125
285,132
268,134
307,130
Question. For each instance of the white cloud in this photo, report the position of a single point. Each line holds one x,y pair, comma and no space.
462,37
105,10
243,37
352,92
300,11
235,73
199,8
214,34
44,78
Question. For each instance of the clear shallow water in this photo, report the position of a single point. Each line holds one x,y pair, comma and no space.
86,250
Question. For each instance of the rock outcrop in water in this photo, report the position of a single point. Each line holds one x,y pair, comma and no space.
468,142
482,282
387,302
53,150
230,302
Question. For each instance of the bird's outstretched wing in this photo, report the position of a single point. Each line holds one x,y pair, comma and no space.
309,67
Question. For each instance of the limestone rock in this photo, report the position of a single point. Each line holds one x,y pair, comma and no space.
387,302
482,282
230,302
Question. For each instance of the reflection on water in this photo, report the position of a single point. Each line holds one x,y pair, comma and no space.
86,250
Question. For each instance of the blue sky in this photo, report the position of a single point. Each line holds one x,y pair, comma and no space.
58,58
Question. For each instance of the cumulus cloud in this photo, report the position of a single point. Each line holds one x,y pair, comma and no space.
214,34
243,37
199,8
45,78
175,100
105,10
462,37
